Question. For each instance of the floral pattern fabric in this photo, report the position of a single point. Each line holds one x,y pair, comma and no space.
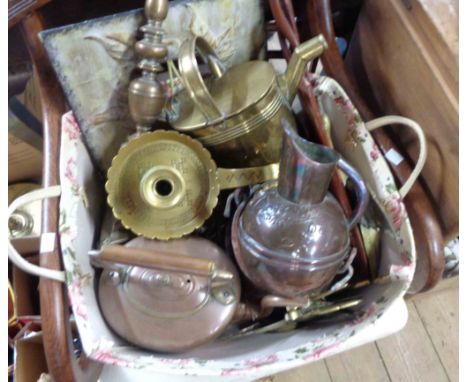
103,346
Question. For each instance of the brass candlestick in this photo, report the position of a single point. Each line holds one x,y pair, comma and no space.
146,95
164,184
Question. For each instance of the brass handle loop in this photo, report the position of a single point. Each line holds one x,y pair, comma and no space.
192,78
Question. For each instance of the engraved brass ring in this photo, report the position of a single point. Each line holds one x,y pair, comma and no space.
165,184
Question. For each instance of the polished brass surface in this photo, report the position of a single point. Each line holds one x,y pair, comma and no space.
297,315
239,177
238,116
165,185
146,96
302,55
193,80
156,9
168,160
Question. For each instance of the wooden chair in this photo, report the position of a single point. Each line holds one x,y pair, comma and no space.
426,226
63,365
59,350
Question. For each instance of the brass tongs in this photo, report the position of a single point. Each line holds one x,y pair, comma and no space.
341,299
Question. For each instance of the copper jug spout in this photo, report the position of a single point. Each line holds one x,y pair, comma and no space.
306,169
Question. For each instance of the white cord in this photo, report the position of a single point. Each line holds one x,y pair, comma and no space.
395,119
13,254
348,267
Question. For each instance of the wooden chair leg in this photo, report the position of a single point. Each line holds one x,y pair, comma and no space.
426,227
63,364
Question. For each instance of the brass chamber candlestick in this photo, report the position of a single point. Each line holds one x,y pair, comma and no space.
162,184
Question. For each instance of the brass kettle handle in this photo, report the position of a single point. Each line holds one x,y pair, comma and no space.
170,262
192,78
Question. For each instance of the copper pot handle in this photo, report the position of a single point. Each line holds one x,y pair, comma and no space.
192,78
170,262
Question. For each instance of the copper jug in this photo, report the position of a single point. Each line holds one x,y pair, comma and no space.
291,238
237,117
167,295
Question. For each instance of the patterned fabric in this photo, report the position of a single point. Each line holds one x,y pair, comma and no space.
274,352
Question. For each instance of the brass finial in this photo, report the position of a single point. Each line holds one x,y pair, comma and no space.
146,96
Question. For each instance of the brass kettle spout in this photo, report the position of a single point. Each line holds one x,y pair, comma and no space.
301,56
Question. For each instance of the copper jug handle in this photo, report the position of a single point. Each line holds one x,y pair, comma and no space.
192,78
165,261
361,189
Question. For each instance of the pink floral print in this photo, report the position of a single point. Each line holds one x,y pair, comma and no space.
70,127
321,352
394,206
75,294
252,364
375,152
106,356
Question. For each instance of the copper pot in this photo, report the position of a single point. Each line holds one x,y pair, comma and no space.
167,295
292,238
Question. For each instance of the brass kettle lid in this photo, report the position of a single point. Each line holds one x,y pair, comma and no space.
239,87
162,185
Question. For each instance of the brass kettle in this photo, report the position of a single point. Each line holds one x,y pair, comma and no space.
237,116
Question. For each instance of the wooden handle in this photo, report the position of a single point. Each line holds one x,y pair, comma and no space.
170,262
425,224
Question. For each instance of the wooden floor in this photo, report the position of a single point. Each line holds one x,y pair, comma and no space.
426,350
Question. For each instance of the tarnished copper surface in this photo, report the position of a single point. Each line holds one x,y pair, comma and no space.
169,311
291,239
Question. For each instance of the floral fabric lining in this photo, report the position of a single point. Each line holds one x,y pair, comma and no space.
101,345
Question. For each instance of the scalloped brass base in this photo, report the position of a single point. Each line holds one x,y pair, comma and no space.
162,185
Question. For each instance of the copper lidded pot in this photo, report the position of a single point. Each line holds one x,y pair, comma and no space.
238,115
167,296
291,238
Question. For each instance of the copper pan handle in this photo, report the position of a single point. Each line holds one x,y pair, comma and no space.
363,195
170,262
